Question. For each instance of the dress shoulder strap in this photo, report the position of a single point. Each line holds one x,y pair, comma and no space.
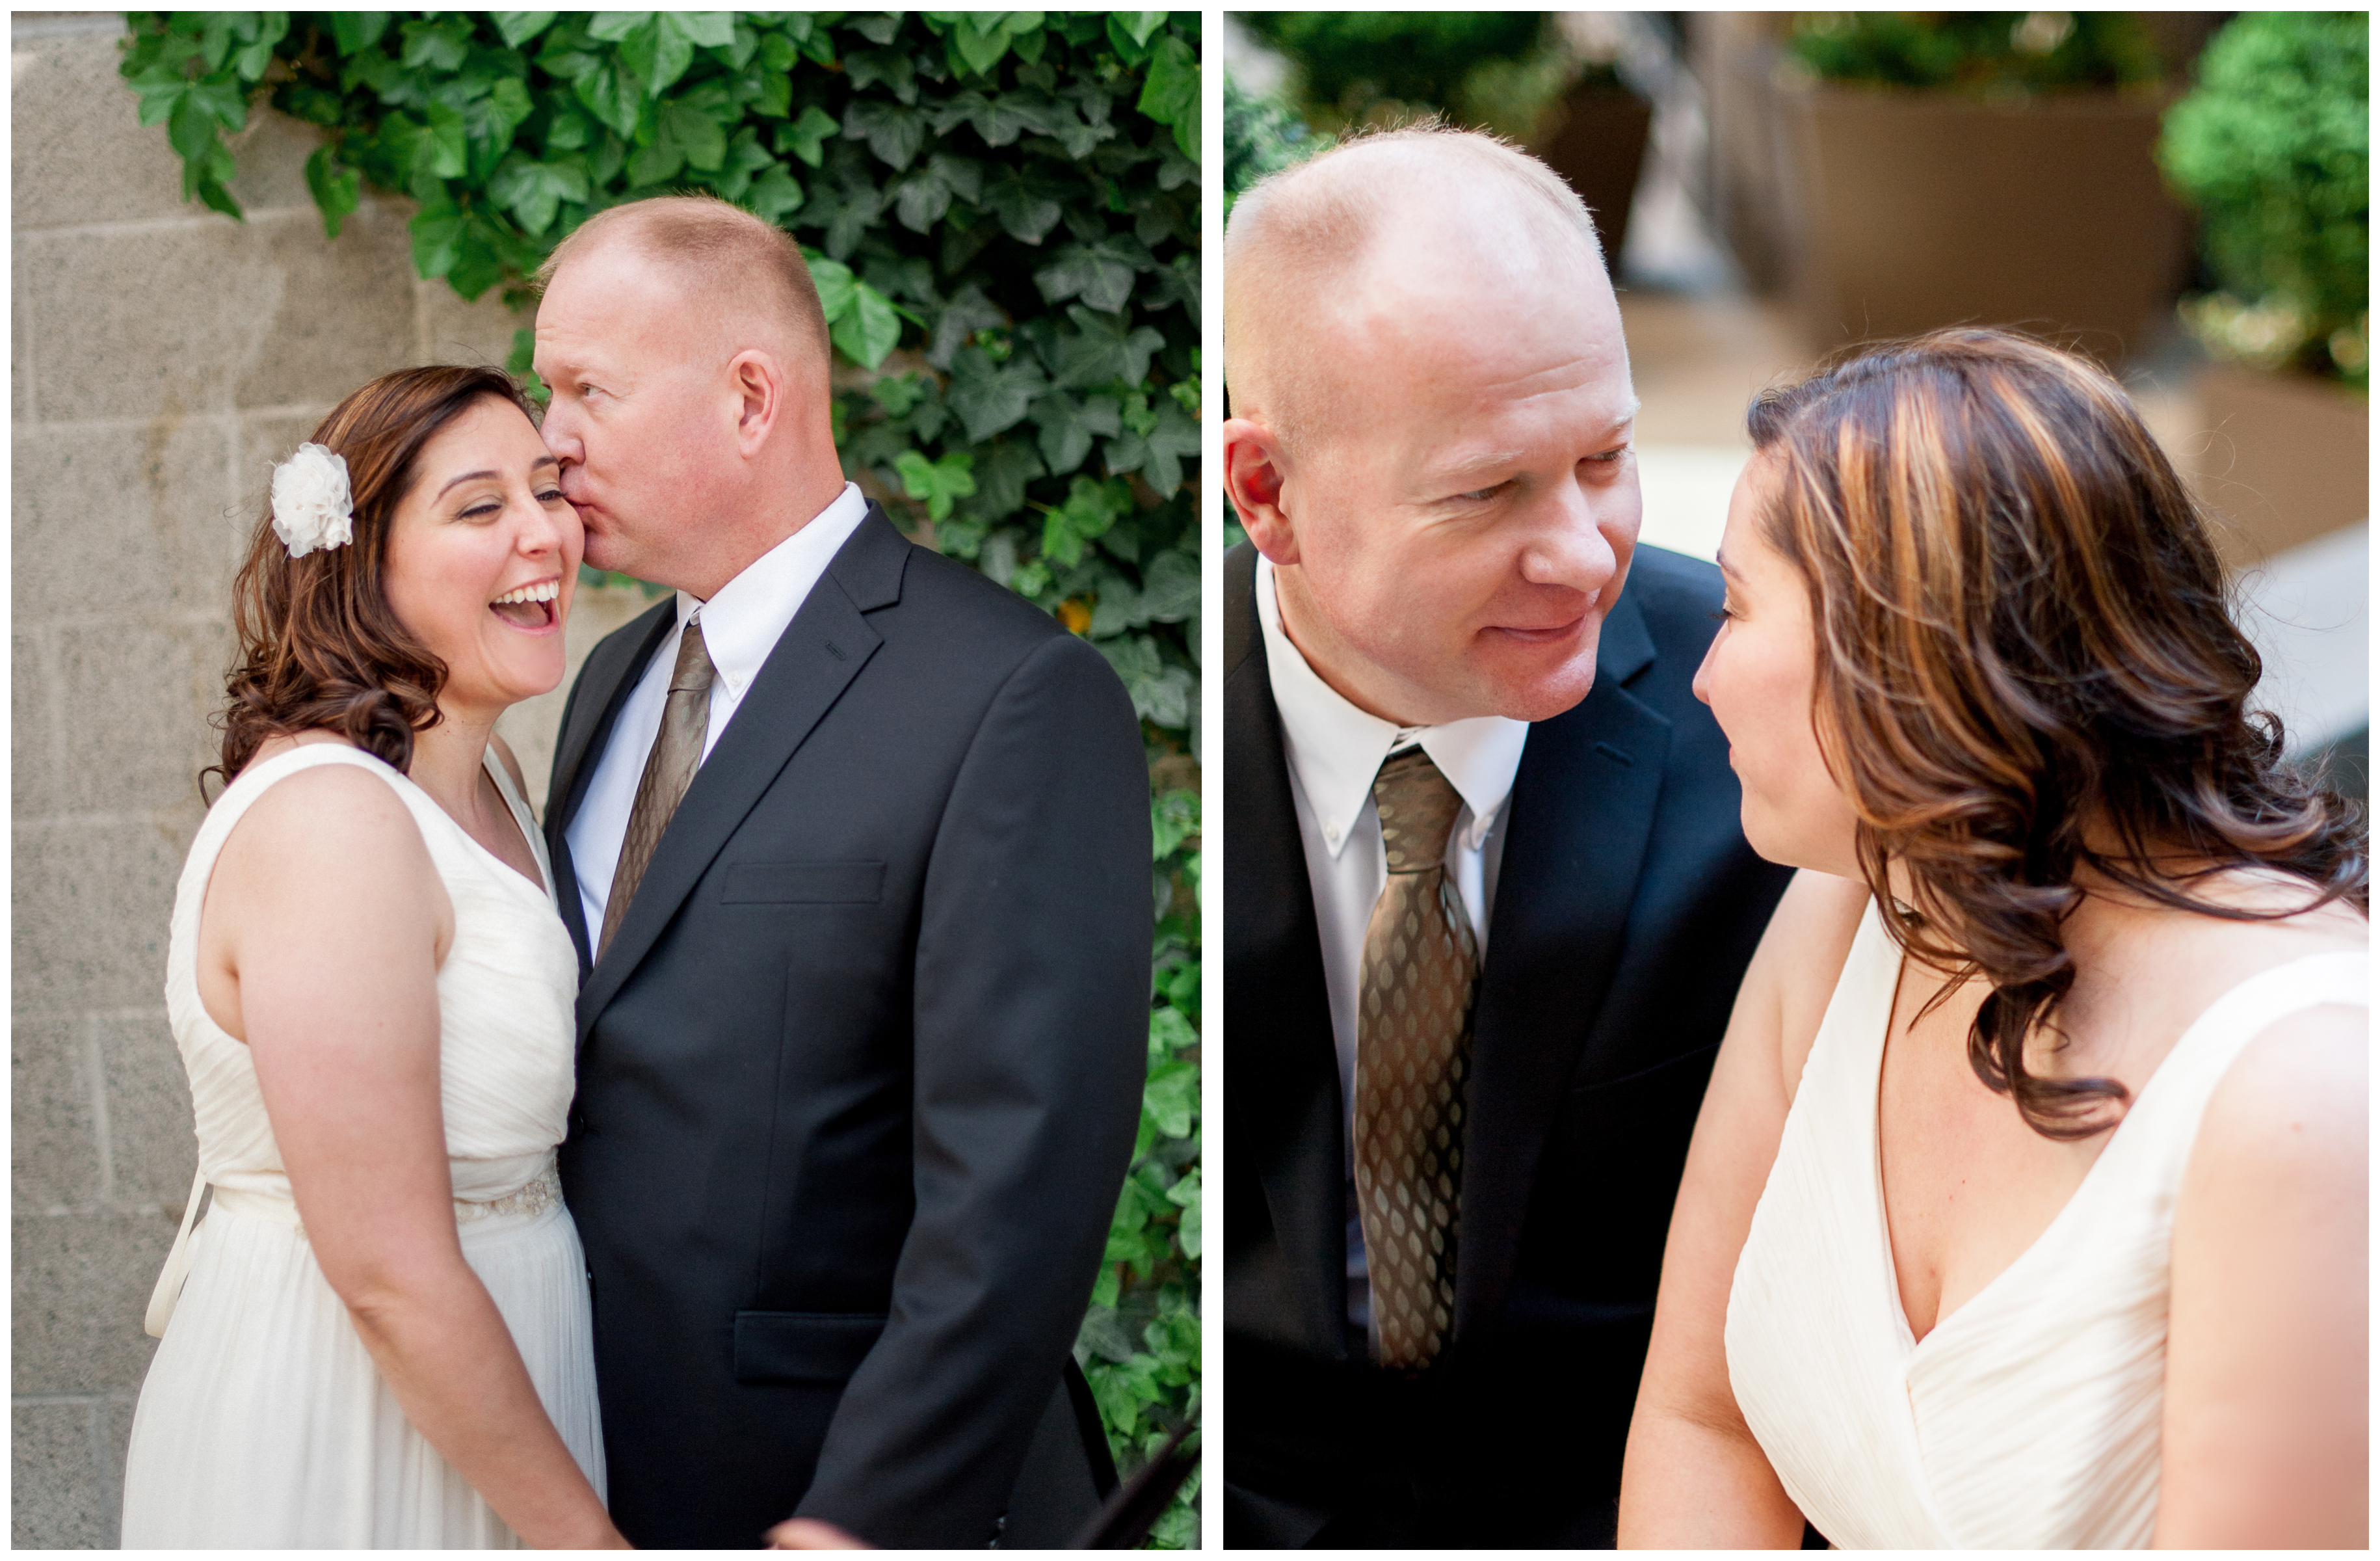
521,815
233,805
2164,1119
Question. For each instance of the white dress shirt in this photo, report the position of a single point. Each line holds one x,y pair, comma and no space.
740,625
1335,752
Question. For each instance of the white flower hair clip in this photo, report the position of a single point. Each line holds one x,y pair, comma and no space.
310,503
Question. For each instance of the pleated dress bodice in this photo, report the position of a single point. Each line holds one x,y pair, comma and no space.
505,1000
2030,1417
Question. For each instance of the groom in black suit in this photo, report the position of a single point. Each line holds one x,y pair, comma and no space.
1450,1173
854,846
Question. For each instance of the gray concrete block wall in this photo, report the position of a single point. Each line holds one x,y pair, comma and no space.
164,357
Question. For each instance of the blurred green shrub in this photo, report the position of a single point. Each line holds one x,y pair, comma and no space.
1260,137
1496,69
1993,53
2273,147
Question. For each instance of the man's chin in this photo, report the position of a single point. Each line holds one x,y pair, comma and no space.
1522,692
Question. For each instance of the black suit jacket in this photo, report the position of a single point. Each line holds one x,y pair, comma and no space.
1627,909
859,1075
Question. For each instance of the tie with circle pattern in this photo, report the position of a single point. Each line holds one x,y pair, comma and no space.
1412,1058
669,770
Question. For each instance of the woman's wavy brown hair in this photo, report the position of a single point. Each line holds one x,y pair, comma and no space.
319,649
2026,671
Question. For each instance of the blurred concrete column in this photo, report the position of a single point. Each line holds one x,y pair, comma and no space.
1734,55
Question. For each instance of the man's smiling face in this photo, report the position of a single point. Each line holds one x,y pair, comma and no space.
1465,507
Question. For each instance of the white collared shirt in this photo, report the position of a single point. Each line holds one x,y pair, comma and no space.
740,625
1335,752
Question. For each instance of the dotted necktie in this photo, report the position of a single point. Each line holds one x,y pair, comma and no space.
1412,1057
669,770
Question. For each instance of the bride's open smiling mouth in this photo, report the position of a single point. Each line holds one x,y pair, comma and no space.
530,608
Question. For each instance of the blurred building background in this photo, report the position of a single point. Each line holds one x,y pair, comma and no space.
2180,194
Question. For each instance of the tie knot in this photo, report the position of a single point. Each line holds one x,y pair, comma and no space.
1417,807
693,673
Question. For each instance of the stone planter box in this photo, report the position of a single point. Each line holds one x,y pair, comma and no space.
2287,459
1597,143
1915,210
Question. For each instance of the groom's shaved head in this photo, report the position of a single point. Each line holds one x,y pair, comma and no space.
1423,214
743,276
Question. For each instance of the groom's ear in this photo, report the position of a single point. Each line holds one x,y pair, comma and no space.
1254,474
758,381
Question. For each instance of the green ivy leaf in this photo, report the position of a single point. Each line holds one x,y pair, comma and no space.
1101,348
990,398
533,191
1027,207
999,120
516,27
1067,426
774,195
1158,451
940,484
1090,508
886,68
252,58
1170,96
868,329
744,157
1100,273
893,133
356,31
335,190
803,136
437,45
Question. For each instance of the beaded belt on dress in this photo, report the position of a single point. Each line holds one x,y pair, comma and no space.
544,1191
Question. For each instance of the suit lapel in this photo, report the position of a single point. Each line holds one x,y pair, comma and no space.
595,705
820,652
1582,807
1282,1086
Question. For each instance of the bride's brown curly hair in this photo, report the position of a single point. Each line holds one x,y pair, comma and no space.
319,649
2027,671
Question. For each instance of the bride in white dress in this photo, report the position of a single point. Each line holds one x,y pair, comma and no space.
376,1334
2027,1205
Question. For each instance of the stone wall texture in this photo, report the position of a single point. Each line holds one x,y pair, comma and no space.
164,356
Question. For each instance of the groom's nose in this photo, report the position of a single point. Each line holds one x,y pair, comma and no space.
560,430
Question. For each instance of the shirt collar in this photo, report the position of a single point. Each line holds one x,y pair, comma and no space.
1336,749
743,622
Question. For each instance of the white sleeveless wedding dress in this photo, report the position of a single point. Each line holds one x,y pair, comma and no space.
263,1423
2028,1417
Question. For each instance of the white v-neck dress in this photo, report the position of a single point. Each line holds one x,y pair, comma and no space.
2028,1417
263,1423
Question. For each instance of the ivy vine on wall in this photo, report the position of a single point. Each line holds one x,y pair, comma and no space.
1002,212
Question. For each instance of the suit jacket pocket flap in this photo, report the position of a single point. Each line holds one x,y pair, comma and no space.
822,1347
802,882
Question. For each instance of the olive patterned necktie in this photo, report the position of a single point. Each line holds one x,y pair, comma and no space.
669,770
1412,1058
